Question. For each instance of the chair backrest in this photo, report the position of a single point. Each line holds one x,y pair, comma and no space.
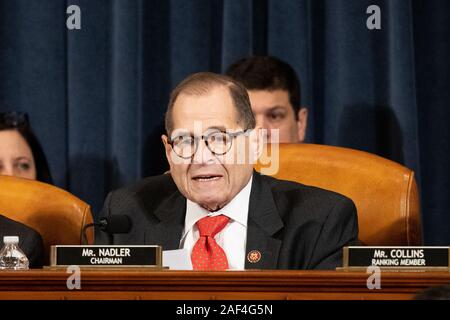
53,212
384,192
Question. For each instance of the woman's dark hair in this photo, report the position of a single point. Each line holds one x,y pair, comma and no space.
18,121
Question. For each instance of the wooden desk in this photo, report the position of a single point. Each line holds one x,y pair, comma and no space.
147,284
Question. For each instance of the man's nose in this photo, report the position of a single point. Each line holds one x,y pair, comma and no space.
6,170
262,122
203,155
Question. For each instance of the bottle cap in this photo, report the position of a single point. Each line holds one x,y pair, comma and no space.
10,239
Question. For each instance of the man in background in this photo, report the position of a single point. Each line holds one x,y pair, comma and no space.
275,96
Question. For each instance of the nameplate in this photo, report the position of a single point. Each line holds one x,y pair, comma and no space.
397,257
106,256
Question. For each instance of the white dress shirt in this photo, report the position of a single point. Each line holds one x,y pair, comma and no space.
232,238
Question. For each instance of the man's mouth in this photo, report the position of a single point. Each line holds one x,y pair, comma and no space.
207,177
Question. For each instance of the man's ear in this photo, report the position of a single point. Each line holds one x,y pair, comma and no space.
256,142
302,123
167,148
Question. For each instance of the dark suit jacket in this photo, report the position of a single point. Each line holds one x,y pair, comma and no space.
293,226
30,241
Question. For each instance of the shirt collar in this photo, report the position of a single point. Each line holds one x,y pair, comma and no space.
236,209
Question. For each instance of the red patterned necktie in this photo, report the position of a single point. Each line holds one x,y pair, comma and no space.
207,254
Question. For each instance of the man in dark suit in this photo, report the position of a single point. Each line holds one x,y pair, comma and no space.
30,241
213,203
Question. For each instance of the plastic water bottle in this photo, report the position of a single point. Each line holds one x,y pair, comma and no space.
11,256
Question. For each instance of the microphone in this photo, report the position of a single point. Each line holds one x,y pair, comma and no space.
112,225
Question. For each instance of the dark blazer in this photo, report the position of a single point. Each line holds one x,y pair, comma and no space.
293,226
30,241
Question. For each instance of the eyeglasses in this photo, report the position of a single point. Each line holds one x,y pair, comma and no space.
218,142
14,119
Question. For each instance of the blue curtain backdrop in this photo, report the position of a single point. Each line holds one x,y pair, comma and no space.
96,96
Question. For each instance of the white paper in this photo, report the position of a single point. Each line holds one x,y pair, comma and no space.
177,259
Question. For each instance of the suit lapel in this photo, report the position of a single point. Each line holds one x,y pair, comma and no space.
263,222
167,232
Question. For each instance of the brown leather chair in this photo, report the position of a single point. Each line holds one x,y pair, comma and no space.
53,212
384,192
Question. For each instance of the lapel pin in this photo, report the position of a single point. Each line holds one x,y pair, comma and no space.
254,256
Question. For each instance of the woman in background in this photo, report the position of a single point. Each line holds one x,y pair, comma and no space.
21,154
